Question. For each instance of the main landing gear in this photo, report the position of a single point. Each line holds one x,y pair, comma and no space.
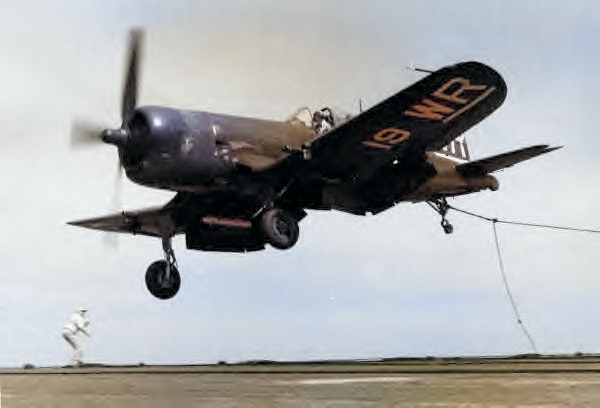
279,228
275,226
440,205
162,277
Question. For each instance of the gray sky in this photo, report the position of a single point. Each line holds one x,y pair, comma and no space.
353,287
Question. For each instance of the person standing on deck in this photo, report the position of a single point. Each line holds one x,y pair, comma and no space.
77,323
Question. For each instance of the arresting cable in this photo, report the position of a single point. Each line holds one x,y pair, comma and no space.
511,298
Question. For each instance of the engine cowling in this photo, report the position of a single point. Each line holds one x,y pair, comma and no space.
170,148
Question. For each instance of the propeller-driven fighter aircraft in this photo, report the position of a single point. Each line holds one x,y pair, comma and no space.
243,183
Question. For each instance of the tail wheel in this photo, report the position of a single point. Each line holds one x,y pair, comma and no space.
162,279
279,228
441,206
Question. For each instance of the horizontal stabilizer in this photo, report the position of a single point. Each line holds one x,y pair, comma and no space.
502,161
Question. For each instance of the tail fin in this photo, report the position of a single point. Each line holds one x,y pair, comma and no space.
456,150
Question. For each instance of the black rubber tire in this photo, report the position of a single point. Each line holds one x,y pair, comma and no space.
448,228
155,280
279,228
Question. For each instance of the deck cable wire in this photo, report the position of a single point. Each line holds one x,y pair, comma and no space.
513,303
511,298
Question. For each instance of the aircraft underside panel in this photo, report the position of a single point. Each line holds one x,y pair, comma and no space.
390,185
223,235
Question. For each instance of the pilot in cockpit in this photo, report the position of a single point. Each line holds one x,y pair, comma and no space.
322,121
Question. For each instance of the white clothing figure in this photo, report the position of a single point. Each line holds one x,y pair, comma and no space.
78,322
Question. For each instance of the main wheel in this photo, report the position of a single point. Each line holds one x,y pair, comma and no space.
159,284
448,228
279,228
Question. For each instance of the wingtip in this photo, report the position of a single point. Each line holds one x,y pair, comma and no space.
548,148
545,148
77,223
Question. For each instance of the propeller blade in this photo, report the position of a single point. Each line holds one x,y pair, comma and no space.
117,198
130,88
111,239
85,133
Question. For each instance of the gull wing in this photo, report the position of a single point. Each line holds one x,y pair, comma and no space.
425,116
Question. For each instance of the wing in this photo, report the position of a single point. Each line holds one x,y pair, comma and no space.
502,161
206,227
155,222
425,116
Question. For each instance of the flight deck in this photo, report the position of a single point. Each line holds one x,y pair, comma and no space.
461,383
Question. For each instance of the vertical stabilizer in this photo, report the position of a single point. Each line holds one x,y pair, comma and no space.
456,150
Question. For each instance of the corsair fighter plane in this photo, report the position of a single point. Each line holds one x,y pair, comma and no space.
242,183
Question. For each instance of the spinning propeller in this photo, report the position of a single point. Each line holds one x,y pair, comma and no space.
85,134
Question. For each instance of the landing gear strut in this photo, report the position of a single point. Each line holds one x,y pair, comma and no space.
440,205
162,277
